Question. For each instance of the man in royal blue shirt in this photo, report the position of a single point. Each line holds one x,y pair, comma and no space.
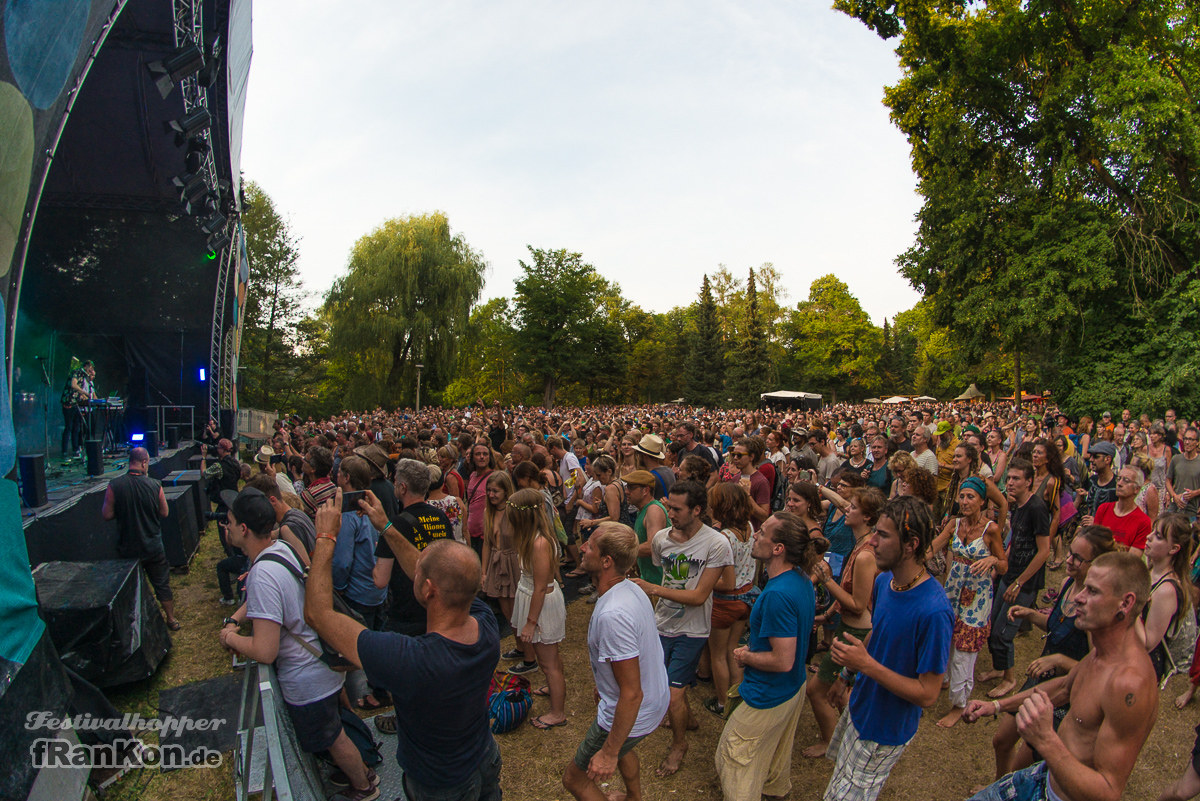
754,755
440,679
900,669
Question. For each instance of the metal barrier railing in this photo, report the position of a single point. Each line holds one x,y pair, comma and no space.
287,773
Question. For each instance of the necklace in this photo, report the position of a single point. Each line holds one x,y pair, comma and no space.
920,575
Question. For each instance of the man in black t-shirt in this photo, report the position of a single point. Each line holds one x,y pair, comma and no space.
137,502
1101,486
1027,552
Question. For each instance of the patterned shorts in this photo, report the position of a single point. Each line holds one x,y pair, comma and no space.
861,767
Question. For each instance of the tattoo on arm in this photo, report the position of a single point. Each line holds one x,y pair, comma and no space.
1129,699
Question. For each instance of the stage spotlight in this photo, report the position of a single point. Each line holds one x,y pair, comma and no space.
193,158
203,375
192,190
187,127
214,223
217,242
183,63
136,439
212,65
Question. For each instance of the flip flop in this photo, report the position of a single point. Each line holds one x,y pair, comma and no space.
538,723
540,692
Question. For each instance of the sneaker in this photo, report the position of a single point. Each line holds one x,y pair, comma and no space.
586,589
515,653
228,602
350,794
523,667
340,780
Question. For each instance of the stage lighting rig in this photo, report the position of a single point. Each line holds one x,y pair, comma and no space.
218,241
183,63
190,125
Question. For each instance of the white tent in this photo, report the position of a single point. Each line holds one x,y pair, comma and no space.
896,399
872,400
795,400
924,398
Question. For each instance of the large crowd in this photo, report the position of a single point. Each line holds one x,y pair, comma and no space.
857,556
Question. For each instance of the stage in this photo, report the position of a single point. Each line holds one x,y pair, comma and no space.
69,526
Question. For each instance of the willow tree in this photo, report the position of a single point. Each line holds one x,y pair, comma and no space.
404,301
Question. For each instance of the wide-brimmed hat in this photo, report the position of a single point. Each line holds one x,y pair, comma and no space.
652,446
375,457
264,454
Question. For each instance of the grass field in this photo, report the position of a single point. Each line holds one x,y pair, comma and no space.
939,765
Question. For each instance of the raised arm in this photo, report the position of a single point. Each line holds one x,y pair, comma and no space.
340,631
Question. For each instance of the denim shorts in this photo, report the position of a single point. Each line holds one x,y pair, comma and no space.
1029,784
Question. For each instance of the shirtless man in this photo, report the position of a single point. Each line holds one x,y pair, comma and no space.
1113,698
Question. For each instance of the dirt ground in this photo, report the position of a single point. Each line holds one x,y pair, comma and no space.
939,765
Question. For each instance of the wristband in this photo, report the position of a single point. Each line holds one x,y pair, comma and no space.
327,537
996,714
847,677
385,528
228,621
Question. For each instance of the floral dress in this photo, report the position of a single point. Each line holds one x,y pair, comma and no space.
970,596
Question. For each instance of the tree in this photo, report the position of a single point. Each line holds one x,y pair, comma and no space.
1058,150
488,370
274,301
749,367
705,385
404,301
564,331
833,346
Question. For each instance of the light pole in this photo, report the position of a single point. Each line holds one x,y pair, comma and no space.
419,366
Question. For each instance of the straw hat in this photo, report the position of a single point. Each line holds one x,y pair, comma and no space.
651,446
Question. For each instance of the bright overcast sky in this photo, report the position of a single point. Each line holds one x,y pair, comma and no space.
658,139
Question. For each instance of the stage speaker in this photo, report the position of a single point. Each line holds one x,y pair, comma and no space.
151,444
227,422
32,469
173,437
95,461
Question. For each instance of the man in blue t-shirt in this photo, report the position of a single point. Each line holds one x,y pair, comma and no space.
440,679
754,754
900,669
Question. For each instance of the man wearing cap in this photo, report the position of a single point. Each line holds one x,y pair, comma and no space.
137,502
275,602
651,516
654,458
378,461
1100,486
1106,421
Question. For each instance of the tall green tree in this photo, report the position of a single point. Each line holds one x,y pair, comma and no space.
487,370
834,348
749,367
274,304
1057,145
564,331
704,372
404,300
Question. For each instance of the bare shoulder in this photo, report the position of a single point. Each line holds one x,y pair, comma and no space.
1130,696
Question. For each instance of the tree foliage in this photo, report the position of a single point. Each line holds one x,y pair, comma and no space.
833,346
404,301
705,364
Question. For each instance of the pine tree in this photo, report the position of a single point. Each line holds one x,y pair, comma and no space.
705,380
748,368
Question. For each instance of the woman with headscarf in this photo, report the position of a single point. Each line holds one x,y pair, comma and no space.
977,550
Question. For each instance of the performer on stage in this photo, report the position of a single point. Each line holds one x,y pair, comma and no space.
80,388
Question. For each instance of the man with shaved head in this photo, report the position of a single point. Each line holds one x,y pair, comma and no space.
439,680
137,502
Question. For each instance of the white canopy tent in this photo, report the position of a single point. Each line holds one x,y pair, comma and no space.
795,400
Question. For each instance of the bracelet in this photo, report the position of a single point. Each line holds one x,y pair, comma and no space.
997,712
229,621
847,677
327,537
385,528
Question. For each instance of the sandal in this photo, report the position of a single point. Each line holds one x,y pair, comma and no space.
540,692
174,625
539,723
371,705
717,709
385,723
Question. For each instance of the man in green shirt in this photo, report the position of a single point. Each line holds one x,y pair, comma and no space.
651,519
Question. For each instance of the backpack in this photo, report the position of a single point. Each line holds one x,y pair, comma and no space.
509,701
627,515
779,491
1181,639
329,655
359,734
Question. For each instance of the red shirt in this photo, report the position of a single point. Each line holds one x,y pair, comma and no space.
1130,531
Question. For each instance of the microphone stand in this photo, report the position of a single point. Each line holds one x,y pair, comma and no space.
45,409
